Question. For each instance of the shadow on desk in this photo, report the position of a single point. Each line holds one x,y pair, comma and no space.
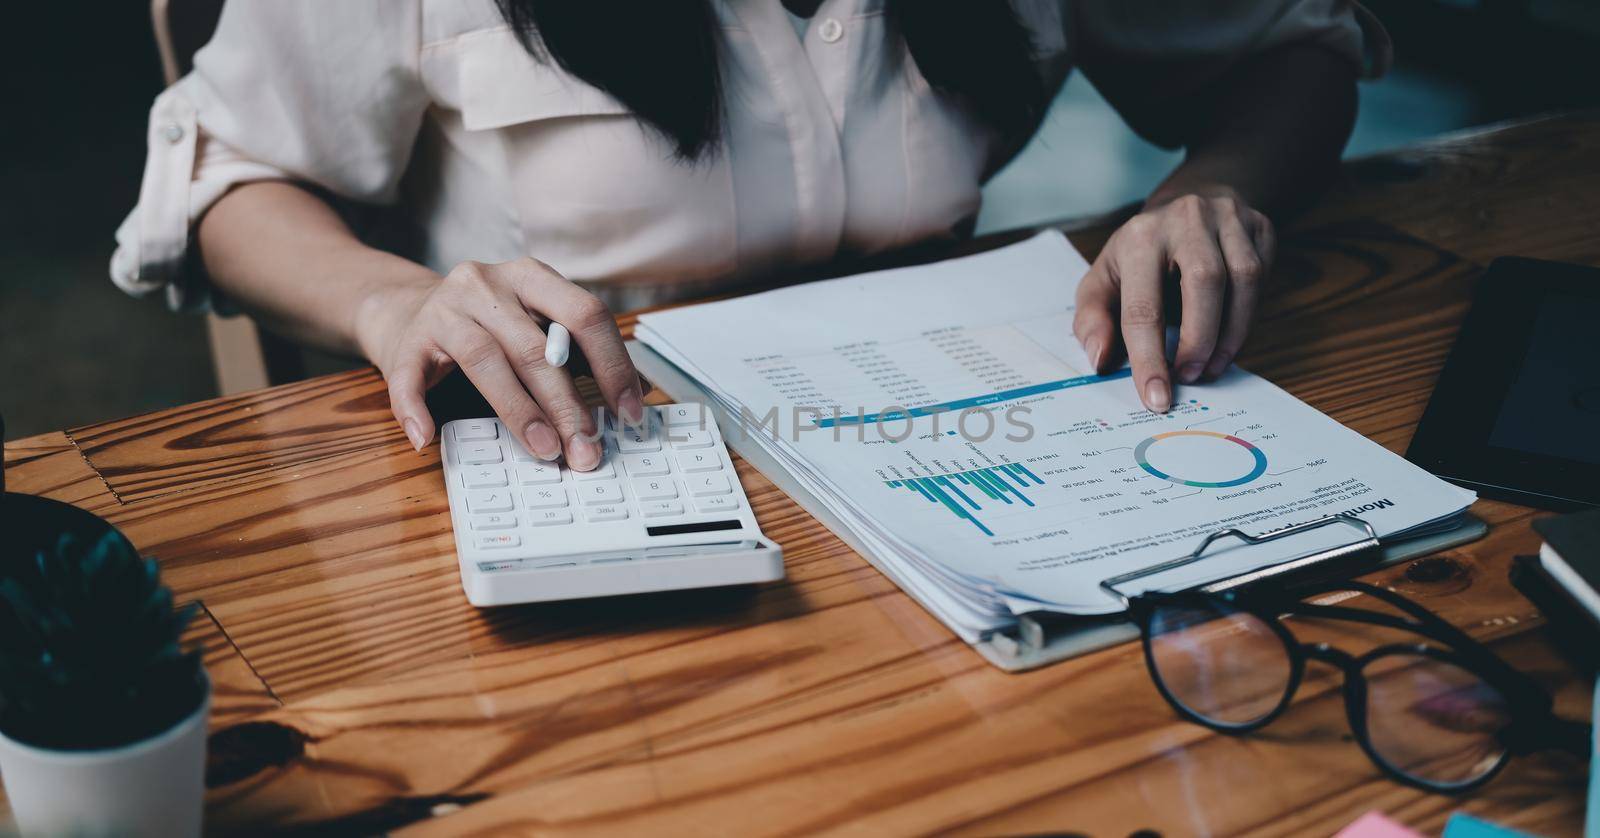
601,617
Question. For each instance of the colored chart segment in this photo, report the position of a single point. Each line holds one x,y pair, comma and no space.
962,491
1257,467
973,401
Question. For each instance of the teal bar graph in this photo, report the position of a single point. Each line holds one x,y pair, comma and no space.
1004,483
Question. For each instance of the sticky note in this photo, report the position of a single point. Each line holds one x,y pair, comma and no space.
1591,824
1375,825
1463,825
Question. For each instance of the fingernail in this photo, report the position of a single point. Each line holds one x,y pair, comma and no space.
1219,365
1092,349
542,440
631,406
583,453
1155,395
1189,372
413,433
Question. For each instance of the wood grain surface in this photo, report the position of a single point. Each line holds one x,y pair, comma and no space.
358,692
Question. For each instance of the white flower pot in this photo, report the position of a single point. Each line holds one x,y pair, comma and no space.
154,787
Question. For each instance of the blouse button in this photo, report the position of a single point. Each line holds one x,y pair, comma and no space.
831,30
172,132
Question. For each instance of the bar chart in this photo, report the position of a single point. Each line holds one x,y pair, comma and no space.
961,492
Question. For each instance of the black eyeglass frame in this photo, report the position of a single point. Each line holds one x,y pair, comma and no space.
1534,727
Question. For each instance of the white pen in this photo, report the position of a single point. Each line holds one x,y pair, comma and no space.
557,344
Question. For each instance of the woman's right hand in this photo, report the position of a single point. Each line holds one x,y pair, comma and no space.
488,320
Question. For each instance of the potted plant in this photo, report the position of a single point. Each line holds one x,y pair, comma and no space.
102,710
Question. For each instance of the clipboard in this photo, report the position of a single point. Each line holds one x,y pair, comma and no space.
1042,638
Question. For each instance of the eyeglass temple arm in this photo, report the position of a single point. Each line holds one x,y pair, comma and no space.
1355,615
1551,733
1425,622
1422,615
1444,630
1435,627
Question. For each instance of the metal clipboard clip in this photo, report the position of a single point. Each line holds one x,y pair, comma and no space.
1367,545
1044,637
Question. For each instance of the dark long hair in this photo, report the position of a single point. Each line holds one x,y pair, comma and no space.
660,58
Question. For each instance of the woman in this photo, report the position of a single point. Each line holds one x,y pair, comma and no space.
557,160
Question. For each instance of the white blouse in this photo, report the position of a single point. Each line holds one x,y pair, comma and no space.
432,111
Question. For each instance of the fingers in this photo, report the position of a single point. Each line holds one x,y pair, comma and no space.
407,383
595,331
1203,282
1221,250
564,423
556,392
1095,323
1247,267
485,364
1138,268
485,320
501,349
1265,238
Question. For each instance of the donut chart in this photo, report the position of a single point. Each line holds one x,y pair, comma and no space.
1257,467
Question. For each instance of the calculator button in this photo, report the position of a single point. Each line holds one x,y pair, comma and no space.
690,439
489,500
716,503
538,473
692,461
710,484
545,497
684,414
494,522
604,471
550,518
477,454
661,508
606,512
638,440
605,492
645,465
519,452
483,478
498,542
646,488
476,430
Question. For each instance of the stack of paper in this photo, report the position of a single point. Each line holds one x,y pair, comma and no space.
947,416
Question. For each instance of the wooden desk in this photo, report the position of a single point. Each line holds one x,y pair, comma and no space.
358,691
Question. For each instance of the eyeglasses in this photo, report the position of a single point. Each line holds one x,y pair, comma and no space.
1441,719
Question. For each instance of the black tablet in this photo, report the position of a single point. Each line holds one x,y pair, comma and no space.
1516,413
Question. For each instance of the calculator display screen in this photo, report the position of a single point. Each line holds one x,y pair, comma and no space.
700,526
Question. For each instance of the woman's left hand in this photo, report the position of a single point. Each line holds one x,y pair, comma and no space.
1219,250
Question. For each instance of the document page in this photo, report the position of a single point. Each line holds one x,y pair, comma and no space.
948,414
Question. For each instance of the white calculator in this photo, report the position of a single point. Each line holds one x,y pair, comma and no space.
663,511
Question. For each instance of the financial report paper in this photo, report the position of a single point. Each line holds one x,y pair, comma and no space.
947,415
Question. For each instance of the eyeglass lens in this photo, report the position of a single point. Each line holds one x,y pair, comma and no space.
1225,666
1426,718
1433,720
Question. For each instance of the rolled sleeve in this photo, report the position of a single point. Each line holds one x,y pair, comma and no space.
323,93
152,241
